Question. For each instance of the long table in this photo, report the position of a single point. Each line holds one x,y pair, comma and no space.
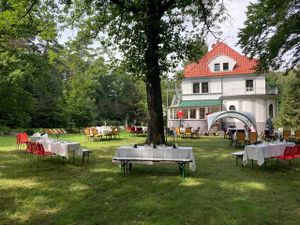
263,151
129,154
62,148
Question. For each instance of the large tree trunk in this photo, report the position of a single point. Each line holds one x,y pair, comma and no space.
153,88
155,113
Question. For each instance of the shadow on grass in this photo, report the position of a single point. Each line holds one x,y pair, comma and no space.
218,192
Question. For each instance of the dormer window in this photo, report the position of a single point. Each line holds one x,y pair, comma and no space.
217,66
222,63
225,66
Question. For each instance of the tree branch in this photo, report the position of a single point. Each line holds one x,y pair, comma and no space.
26,13
205,17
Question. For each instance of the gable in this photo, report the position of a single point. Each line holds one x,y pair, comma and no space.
222,60
238,64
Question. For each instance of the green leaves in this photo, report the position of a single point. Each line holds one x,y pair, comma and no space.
272,34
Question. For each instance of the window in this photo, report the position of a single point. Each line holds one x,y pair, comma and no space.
217,66
271,110
196,88
202,113
185,113
204,87
225,66
232,107
192,113
249,85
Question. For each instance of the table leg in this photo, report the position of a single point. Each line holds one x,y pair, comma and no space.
73,156
265,164
123,167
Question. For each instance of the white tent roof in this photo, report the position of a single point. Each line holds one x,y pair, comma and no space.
246,117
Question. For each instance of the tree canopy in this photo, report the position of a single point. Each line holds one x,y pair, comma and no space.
153,35
272,33
289,104
45,84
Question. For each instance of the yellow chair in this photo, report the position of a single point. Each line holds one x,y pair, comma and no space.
177,131
115,132
252,137
188,132
95,133
240,138
87,133
297,136
286,135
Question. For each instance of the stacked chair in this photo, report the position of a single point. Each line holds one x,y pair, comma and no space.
22,139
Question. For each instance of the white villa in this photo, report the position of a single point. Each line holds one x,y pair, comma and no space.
222,80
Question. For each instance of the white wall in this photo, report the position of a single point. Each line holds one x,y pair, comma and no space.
237,85
201,96
259,107
214,85
187,86
232,85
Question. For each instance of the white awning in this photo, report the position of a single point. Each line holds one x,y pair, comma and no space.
246,117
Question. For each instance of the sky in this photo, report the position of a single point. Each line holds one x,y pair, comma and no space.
237,10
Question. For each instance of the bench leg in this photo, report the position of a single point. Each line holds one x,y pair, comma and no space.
124,167
181,169
130,167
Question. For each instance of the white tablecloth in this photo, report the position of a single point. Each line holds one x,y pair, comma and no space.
161,153
104,130
62,148
262,151
35,138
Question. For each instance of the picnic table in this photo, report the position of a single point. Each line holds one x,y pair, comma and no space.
264,151
62,148
148,154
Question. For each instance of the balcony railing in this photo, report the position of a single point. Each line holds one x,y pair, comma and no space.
249,91
271,91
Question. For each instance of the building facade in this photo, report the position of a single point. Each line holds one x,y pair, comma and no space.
222,80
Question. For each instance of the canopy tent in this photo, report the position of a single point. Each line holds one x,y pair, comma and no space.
246,117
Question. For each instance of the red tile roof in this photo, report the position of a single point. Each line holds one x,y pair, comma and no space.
200,69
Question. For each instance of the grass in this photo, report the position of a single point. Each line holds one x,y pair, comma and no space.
218,192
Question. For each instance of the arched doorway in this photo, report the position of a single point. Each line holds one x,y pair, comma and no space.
232,107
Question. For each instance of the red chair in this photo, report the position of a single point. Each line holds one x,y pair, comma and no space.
22,138
38,149
132,130
139,130
29,147
296,151
288,154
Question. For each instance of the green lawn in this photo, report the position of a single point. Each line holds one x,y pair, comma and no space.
218,192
